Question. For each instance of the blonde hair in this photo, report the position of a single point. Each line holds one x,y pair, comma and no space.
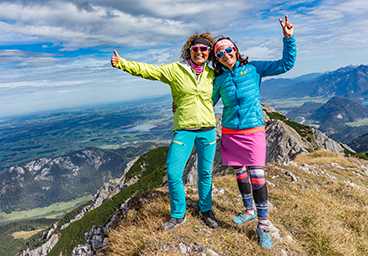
185,51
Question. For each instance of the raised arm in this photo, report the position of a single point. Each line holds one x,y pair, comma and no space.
163,73
272,68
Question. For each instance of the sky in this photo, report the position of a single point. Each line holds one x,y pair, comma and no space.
56,53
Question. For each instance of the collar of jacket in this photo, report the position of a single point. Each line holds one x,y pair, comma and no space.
225,69
185,64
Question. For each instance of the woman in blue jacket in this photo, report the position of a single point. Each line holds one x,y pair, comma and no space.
243,142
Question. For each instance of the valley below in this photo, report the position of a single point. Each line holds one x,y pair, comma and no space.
23,139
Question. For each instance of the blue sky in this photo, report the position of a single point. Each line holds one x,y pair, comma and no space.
56,53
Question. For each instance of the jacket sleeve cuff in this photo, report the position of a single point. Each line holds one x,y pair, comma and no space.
120,64
289,40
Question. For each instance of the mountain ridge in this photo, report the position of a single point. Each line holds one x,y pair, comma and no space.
350,82
331,118
47,180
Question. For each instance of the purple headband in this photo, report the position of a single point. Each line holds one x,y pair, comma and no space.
200,41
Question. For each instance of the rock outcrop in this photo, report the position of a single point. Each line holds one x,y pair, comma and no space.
283,142
44,249
323,141
320,138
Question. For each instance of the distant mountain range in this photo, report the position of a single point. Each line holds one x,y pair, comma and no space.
360,144
348,82
347,88
331,118
339,110
47,180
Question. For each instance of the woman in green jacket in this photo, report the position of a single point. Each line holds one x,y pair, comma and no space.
191,82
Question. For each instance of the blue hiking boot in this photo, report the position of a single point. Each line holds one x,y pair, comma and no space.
264,237
244,217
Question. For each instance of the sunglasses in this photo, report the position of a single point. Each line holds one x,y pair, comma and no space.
202,48
221,54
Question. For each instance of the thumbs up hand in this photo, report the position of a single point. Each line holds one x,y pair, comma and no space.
115,59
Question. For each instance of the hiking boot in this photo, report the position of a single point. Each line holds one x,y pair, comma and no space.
172,223
264,237
244,217
209,218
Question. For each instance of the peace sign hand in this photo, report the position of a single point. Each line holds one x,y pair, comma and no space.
287,27
115,59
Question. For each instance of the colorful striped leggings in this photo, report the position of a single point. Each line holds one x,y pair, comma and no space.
252,185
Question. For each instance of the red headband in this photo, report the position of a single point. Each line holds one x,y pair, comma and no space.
224,42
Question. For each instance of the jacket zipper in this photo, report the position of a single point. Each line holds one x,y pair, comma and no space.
197,97
198,105
237,98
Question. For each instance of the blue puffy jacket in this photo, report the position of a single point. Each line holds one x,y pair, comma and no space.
239,89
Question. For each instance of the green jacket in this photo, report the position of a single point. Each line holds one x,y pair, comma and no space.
192,95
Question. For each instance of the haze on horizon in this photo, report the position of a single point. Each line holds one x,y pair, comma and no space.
56,54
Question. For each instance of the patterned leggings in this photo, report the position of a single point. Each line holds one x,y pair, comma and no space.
252,179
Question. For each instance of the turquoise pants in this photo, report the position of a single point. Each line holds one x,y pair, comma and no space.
179,151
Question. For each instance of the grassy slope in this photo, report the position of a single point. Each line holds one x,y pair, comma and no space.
322,214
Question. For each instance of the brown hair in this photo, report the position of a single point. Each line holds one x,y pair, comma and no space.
185,51
217,66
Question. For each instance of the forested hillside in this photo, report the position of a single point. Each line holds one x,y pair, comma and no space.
17,235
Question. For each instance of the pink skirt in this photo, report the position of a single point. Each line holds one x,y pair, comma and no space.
245,149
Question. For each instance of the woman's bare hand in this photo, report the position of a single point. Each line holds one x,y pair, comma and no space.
115,59
287,27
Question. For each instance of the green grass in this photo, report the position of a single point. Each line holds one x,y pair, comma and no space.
51,212
358,123
110,146
292,102
362,155
25,234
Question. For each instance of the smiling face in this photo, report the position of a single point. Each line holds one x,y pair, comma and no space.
229,59
199,57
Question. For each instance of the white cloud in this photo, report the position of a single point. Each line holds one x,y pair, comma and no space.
99,23
354,7
64,46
